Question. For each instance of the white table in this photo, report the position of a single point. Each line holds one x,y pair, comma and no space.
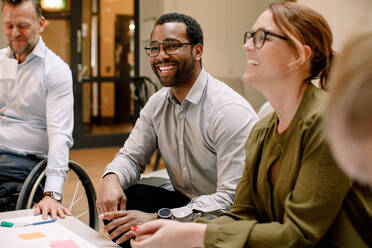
71,223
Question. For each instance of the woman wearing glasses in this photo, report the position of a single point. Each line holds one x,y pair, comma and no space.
292,193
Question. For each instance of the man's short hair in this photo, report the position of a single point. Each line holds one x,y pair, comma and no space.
193,29
35,3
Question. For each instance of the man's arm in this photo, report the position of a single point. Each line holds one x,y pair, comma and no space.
59,118
128,163
230,128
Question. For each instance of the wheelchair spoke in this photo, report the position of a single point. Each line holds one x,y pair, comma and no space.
73,202
82,214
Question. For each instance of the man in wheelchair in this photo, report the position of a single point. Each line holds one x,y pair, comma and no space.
36,110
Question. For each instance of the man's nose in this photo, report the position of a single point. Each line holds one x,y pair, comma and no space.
15,31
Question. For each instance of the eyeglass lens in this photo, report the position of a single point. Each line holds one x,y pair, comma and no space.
170,47
259,38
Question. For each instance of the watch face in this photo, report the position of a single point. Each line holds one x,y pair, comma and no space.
57,196
54,195
165,213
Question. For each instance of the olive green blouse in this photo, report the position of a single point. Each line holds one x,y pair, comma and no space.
310,203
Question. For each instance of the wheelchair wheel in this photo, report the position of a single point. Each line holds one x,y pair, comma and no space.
78,197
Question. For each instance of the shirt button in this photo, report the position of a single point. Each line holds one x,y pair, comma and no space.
280,144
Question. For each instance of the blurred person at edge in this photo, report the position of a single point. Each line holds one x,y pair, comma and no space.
348,119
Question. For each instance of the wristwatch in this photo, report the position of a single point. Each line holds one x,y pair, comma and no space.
165,213
56,196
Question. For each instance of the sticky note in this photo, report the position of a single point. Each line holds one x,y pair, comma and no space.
34,235
64,244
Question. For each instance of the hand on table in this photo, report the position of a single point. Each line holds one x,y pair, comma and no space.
122,221
48,205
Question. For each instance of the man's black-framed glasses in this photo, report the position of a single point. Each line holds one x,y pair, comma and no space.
260,36
170,47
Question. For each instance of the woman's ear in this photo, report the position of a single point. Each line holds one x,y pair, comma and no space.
197,51
308,52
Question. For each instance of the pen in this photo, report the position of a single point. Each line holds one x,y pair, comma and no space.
10,224
39,223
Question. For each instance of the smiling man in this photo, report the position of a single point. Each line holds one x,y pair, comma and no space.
36,111
200,127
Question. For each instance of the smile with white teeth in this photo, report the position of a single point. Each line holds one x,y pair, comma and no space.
165,68
253,62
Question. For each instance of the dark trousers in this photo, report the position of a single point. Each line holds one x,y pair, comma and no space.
150,199
13,171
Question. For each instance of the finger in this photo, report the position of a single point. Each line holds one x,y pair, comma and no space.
120,230
99,208
60,212
66,211
114,215
121,225
53,213
143,237
148,227
126,236
44,211
143,243
123,203
37,210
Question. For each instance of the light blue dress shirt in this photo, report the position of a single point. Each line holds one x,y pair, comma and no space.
36,112
202,143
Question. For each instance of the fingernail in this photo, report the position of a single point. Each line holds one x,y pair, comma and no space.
134,228
101,216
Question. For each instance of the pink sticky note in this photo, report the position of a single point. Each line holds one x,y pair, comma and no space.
64,244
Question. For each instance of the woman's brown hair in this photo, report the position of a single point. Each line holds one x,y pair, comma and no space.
304,26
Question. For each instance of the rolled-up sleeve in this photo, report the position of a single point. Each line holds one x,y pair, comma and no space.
132,158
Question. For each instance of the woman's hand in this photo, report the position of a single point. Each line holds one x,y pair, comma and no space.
168,234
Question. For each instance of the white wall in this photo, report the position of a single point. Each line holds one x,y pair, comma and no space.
342,16
223,23
2,39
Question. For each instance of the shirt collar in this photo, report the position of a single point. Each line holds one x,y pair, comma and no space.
196,91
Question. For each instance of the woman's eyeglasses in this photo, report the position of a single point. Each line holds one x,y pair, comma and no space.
260,36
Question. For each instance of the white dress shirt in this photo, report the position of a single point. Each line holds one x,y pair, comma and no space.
202,143
36,112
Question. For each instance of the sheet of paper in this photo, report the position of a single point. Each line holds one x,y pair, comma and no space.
32,236
64,244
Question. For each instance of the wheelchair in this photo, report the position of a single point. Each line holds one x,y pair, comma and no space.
79,196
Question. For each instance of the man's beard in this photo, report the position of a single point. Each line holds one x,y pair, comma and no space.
180,77
25,50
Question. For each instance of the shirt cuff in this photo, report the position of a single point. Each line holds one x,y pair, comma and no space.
182,212
120,176
54,183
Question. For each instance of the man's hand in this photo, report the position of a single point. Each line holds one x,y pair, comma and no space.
122,221
111,196
48,205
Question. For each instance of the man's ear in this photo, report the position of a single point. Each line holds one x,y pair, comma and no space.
42,24
197,51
